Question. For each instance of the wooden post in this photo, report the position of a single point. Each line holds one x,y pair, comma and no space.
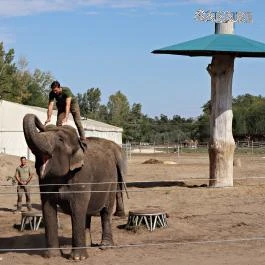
222,144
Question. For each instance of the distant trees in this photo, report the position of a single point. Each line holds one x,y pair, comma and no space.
248,121
89,103
137,126
18,84
118,108
8,70
38,88
248,118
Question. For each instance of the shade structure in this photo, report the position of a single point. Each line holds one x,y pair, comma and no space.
214,44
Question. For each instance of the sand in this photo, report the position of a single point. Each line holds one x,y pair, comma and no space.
207,226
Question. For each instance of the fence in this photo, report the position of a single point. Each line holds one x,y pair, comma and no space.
246,147
241,147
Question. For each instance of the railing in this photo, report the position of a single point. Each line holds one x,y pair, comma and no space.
241,147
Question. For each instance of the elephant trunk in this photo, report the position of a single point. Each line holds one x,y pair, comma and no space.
39,142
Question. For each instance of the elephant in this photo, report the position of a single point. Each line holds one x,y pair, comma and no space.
72,175
120,157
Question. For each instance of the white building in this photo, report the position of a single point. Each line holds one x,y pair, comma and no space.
12,139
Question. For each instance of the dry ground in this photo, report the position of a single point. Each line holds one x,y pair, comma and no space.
205,225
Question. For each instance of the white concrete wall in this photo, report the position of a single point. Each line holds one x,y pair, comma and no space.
12,139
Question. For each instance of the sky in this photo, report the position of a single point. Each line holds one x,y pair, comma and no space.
108,44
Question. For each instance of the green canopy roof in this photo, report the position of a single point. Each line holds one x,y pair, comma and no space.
217,44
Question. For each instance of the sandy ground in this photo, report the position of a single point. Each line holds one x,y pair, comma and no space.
205,225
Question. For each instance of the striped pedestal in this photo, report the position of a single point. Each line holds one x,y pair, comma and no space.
152,219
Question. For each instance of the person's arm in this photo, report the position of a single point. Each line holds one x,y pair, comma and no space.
30,177
67,108
49,111
17,177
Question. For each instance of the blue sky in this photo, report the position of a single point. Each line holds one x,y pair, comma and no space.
108,44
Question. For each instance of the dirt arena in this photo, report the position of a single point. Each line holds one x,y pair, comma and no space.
206,226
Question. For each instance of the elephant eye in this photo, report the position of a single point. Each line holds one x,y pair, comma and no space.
61,140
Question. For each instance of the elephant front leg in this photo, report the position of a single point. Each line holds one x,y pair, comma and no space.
78,218
107,239
88,226
51,228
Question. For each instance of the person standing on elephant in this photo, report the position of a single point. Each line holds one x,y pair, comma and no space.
66,103
23,176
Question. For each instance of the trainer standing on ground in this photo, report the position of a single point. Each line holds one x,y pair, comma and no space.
66,103
23,176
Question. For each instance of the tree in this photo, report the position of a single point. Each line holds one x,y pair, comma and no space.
133,126
17,84
136,112
8,70
255,120
93,98
103,114
89,103
38,88
118,109
248,110
83,105
202,124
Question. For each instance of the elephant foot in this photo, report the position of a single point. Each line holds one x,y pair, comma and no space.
79,254
119,213
52,253
106,243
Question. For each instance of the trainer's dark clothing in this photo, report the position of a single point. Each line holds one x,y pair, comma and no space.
74,109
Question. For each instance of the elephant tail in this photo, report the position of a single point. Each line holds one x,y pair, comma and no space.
122,170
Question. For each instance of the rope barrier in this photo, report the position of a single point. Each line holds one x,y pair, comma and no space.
127,183
236,240
102,191
66,184
160,244
81,191
167,183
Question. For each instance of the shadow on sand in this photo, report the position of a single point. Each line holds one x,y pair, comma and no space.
31,244
153,184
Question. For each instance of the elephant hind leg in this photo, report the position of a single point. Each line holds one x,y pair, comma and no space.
88,221
119,203
88,226
107,239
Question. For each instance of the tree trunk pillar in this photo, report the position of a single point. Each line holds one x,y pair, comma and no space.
222,144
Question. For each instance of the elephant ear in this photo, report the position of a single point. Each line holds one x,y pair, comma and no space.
77,159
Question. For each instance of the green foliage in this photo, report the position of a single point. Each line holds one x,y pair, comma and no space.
18,84
134,124
8,71
38,88
118,108
249,116
89,103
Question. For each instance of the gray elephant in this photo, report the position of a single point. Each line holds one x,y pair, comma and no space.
79,173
